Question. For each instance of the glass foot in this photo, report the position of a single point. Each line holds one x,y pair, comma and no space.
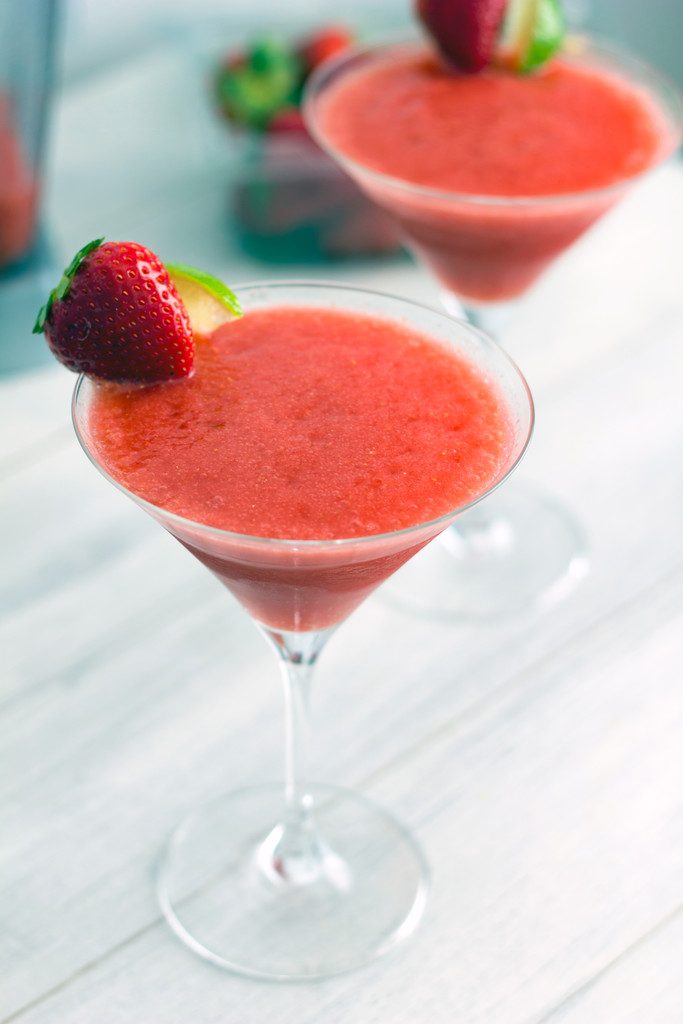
520,550
223,891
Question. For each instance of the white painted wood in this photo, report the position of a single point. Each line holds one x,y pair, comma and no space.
643,983
34,416
87,725
553,816
540,759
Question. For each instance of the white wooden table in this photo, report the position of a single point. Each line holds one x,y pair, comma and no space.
539,760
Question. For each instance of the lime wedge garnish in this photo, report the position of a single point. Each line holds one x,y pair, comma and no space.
533,31
209,302
547,35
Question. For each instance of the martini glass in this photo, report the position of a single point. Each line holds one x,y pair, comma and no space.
301,880
522,548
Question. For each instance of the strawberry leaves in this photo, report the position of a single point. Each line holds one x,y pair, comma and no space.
61,290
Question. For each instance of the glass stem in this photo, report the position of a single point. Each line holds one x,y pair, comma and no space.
493,318
296,679
293,853
479,533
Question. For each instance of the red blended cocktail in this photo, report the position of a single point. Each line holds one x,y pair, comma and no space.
307,424
491,176
320,441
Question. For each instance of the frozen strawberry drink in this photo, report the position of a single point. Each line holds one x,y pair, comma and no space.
490,175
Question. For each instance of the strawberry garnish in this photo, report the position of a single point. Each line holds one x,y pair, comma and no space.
253,86
258,87
323,44
464,30
116,315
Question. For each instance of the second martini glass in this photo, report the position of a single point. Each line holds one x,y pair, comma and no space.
523,547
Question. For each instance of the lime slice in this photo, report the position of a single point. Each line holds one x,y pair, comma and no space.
532,32
208,301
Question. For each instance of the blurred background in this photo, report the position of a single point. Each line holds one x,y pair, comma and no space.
122,132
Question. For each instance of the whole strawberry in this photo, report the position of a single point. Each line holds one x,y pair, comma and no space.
116,315
323,44
464,30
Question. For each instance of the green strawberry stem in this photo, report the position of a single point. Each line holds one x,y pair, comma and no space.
62,289
267,79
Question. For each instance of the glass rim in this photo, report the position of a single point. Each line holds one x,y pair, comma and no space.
659,85
281,543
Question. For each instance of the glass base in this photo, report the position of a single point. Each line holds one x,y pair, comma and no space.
518,550
223,890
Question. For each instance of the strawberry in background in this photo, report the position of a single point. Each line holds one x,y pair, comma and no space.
323,44
291,203
465,30
259,85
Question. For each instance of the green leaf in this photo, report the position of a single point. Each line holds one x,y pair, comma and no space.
62,289
60,292
252,92
270,54
41,319
80,256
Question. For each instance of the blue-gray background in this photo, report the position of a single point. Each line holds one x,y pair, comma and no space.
99,31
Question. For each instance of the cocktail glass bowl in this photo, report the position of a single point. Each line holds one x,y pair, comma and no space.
523,548
305,881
